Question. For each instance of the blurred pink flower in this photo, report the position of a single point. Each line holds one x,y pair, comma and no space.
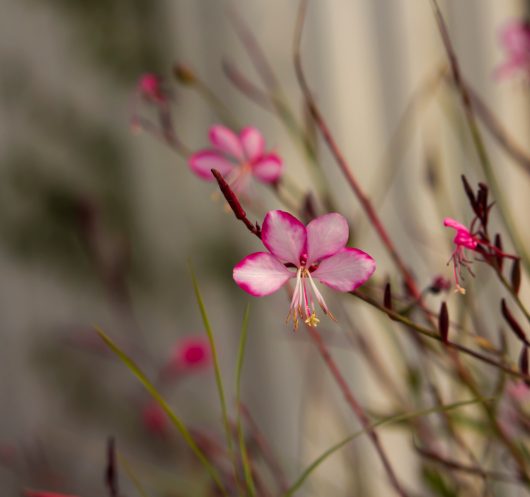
515,39
237,158
154,418
463,240
150,88
316,251
189,354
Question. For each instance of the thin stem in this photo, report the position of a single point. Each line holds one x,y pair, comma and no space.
429,333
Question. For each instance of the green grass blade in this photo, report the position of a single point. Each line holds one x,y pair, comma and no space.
217,370
218,378
179,425
239,367
390,420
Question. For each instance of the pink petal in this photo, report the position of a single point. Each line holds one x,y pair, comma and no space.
326,235
284,236
268,168
202,162
345,271
261,274
252,142
452,223
226,141
516,37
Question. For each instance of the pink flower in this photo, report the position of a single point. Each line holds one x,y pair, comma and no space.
515,38
237,158
155,419
189,354
150,88
463,240
314,252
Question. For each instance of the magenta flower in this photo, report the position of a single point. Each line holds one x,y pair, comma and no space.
307,253
150,88
190,354
462,240
237,158
515,38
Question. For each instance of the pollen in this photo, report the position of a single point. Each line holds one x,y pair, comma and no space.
312,320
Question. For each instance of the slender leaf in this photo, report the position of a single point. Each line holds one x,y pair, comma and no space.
239,367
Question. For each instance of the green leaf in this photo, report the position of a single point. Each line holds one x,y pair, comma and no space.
239,367
390,420
217,370
177,422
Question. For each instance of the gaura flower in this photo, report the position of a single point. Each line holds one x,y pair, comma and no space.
237,158
462,240
306,253
515,39
150,88
190,354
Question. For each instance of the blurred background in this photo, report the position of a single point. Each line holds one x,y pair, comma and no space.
97,223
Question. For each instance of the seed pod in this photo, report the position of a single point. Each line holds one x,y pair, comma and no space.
516,276
388,297
514,325
443,322
469,193
499,258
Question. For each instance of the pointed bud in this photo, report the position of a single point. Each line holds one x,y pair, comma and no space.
184,74
516,276
469,193
499,258
443,322
514,325
388,297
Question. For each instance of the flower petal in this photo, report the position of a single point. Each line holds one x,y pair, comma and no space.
516,37
253,143
326,235
261,274
345,271
284,236
226,141
202,162
452,223
268,168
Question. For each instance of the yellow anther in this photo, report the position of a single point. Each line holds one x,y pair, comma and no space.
312,320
